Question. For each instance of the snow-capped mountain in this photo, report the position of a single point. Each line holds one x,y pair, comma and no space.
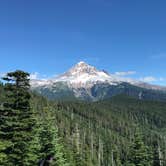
86,82
83,75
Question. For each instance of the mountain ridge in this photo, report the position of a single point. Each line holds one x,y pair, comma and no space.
85,82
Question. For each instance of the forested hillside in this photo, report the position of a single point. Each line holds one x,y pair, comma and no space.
103,133
114,132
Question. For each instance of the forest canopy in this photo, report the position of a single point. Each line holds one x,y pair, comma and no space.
118,131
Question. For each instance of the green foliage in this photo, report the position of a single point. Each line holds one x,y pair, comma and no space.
16,118
139,153
26,135
49,140
33,154
78,133
3,156
100,133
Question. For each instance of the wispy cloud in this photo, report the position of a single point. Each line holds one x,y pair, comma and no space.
125,73
151,79
148,79
34,75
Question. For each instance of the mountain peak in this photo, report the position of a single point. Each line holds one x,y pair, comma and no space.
82,68
83,75
81,63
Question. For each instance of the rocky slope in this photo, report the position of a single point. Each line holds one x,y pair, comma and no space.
86,82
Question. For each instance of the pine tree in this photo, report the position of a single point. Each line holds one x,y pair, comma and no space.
50,142
3,156
33,154
139,153
16,119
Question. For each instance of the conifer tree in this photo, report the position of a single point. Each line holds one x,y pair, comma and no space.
3,156
139,153
16,119
49,141
33,154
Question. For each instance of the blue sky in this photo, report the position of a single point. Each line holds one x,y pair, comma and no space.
126,37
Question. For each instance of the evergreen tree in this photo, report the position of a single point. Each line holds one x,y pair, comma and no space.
3,156
157,154
49,141
33,155
139,154
16,119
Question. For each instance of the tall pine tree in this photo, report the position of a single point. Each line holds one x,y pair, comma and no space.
16,120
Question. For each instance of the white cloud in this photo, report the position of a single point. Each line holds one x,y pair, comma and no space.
125,73
148,79
38,76
152,79
34,75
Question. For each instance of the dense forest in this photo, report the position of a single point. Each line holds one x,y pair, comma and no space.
120,131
